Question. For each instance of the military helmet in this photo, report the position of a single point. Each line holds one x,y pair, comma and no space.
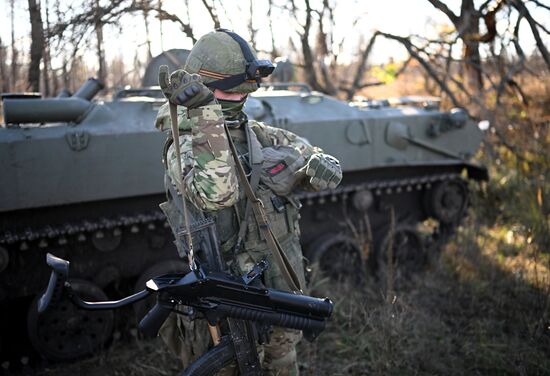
226,62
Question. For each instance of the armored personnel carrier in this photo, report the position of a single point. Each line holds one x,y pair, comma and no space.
82,179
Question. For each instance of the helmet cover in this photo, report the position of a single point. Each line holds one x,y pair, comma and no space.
216,56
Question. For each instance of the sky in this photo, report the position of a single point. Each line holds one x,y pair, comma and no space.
401,17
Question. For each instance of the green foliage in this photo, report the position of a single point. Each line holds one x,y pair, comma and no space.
386,73
517,196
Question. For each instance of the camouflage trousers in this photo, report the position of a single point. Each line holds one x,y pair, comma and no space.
189,339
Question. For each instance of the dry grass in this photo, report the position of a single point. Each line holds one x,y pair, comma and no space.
482,308
476,311
124,357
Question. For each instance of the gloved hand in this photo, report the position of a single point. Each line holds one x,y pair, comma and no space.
324,170
184,89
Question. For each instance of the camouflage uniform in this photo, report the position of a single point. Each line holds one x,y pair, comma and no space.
213,187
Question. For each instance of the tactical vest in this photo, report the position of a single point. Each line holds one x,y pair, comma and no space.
281,211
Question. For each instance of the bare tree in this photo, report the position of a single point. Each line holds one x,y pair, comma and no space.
147,33
307,52
251,30
14,53
360,72
98,26
5,87
324,40
315,44
534,26
46,54
274,52
467,25
320,65
37,45
81,23
477,77
416,53
161,29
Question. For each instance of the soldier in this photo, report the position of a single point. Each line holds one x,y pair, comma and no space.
221,70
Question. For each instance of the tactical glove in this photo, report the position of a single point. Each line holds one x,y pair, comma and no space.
184,89
324,171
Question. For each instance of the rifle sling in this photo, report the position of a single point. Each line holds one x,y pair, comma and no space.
255,162
254,181
181,183
280,257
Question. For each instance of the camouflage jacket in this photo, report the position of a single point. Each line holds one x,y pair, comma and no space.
210,172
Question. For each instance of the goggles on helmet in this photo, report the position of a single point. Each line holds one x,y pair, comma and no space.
255,69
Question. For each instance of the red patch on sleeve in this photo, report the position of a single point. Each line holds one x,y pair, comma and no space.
278,168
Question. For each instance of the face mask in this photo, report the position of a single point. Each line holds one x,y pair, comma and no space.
231,109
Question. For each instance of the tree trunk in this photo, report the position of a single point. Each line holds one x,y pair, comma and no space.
65,74
46,55
46,71
251,29
14,53
274,52
147,33
161,30
322,53
309,60
101,72
37,45
361,68
309,67
5,84
467,26
469,32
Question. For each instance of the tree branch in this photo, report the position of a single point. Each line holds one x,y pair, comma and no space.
520,6
445,9
415,55
213,15
361,67
541,26
539,4
507,78
489,19
163,15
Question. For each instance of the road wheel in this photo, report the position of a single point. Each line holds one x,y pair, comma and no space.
447,201
66,332
339,257
405,247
